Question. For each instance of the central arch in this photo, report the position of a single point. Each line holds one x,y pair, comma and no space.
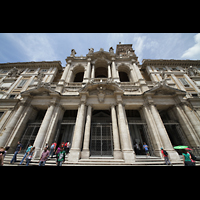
101,142
101,68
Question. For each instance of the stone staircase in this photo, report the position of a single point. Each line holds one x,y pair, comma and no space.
141,160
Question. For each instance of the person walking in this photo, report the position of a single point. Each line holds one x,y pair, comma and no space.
27,151
165,155
44,157
57,152
30,156
18,149
52,149
146,149
186,158
2,152
61,157
193,157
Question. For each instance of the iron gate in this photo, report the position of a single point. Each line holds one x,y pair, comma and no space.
101,143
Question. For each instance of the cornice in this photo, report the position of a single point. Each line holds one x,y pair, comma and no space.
32,64
169,62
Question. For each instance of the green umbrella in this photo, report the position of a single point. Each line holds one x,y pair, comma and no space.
180,147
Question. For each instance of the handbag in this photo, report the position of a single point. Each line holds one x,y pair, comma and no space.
29,157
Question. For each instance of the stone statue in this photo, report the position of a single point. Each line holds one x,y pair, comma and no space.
192,71
40,76
91,50
73,53
14,72
111,50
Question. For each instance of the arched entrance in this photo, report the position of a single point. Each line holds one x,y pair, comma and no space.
101,142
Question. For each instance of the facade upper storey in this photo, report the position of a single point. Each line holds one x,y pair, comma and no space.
121,68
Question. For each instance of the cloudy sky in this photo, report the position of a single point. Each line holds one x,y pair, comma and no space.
25,47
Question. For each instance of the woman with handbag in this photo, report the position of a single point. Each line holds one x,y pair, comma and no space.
30,156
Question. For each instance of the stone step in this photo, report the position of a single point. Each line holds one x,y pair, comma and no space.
96,161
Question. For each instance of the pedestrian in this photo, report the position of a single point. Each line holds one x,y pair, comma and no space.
186,158
68,147
57,152
18,149
193,157
47,145
2,152
61,157
30,156
146,149
137,149
52,149
165,155
44,157
27,151
6,150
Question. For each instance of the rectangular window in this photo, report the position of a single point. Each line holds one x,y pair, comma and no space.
184,82
6,85
12,96
1,114
22,83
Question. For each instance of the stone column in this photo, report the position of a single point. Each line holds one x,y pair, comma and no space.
117,150
192,117
93,71
133,76
86,152
128,153
11,124
43,131
74,155
62,81
64,75
157,143
140,78
109,71
51,131
87,71
167,145
186,126
115,75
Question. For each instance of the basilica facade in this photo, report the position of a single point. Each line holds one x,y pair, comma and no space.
104,103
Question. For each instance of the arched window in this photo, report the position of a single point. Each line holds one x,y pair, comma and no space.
124,73
79,77
78,74
101,72
124,77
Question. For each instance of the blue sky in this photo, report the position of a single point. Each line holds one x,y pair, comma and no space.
26,47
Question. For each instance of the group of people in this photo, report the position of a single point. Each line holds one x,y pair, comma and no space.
60,153
63,150
188,157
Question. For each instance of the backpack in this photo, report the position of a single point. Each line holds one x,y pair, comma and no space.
165,153
52,146
193,156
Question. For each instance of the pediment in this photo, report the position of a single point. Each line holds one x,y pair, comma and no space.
40,91
164,89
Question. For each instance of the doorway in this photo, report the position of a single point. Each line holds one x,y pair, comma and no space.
101,141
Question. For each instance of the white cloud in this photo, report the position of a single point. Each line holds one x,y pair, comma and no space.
139,45
36,46
193,52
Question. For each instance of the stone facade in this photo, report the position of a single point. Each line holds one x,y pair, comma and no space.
103,103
